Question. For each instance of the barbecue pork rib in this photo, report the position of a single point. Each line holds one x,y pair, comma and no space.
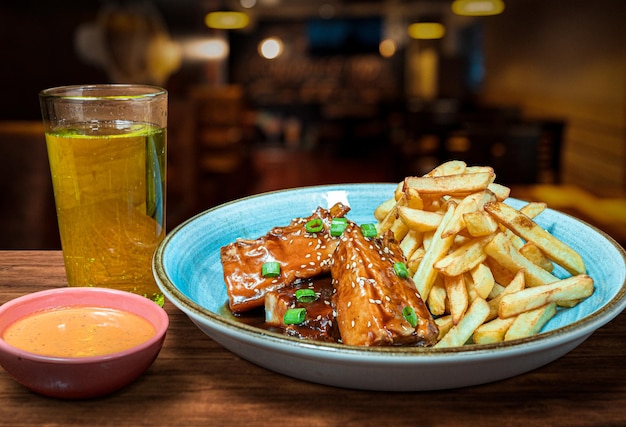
301,255
370,297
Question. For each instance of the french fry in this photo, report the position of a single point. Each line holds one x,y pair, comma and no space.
452,167
399,229
526,228
533,209
413,199
470,203
437,298
387,222
458,300
500,191
450,184
425,275
383,209
530,322
418,219
411,242
483,280
501,275
571,288
501,250
479,223
415,259
470,286
444,323
517,284
493,330
534,254
460,333
463,258
495,291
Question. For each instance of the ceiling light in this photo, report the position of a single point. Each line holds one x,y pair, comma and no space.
271,48
226,20
426,30
477,7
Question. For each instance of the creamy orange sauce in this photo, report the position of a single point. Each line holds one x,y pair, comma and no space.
78,331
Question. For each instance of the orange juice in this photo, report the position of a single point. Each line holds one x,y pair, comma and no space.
109,189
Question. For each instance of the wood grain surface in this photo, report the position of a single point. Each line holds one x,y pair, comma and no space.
195,382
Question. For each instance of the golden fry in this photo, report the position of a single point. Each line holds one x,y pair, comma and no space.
450,184
492,331
452,167
383,209
479,223
530,322
418,219
425,275
470,203
526,228
463,258
483,280
534,254
437,298
501,249
460,333
517,284
572,288
458,300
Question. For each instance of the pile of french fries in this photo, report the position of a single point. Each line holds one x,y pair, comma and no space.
484,269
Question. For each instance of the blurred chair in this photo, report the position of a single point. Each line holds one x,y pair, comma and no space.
27,212
221,148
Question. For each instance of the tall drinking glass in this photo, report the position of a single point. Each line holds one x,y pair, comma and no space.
107,153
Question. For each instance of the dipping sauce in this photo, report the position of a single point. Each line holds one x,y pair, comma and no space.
78,331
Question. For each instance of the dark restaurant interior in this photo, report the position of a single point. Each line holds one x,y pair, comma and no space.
330,91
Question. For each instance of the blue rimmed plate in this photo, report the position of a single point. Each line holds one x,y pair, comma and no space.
188,270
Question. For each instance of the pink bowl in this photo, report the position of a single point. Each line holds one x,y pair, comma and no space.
80,377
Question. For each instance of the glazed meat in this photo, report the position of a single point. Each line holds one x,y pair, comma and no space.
370,297
301,255
319,323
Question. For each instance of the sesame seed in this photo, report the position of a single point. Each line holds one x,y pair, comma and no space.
349,303
353,323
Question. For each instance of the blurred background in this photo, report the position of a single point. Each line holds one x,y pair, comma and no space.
271,94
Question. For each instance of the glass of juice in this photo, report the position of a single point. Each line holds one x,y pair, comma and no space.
107,152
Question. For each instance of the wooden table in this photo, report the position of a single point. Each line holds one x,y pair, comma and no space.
195,382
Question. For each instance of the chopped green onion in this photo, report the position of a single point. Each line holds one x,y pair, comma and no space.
337,226
314,225
410,316
305,295
369,230
270,269
294,316
401,270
